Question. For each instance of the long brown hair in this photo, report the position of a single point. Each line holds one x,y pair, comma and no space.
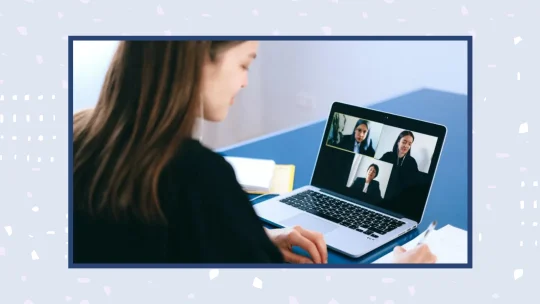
148,105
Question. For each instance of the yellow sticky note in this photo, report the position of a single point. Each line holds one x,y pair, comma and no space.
283,180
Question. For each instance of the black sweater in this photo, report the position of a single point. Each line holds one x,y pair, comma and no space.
211,220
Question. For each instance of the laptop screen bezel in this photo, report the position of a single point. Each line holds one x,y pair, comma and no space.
386,118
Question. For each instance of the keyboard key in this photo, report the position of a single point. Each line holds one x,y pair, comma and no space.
361,228
326,216
377,230
345,214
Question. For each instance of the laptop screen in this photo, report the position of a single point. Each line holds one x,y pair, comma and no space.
379,159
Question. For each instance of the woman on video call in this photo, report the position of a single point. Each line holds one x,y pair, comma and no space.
404,169
359,141
146,191
368,186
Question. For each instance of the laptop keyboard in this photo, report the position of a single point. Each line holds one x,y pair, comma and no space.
345,214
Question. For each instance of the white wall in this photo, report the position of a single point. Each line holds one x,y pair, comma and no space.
303,78
421,150
354,169
293,83
91,60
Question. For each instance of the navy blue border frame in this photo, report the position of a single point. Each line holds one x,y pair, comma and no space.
467,39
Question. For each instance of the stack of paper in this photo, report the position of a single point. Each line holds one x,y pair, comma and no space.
448,243
261,176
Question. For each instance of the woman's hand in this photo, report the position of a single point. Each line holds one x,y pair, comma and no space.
419,254
310,241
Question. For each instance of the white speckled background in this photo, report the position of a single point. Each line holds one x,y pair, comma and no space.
33,151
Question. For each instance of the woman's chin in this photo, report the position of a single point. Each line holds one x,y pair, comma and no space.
218,117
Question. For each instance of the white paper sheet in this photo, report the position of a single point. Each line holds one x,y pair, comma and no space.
253,174
448,243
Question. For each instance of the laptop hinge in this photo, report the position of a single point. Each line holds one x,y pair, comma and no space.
363,204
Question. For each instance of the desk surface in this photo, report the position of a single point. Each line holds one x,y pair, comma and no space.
448,198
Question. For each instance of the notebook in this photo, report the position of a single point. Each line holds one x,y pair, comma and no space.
253,174
448,243
262,176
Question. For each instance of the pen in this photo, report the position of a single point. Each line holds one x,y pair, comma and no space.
430,228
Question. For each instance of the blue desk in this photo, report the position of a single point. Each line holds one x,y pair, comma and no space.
448,198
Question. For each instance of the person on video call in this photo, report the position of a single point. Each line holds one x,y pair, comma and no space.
145,190
359,142
368,185
404,169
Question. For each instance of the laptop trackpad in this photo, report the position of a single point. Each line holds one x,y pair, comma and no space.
310,222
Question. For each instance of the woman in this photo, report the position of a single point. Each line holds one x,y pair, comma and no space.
146,191
359,141
405,168
368,186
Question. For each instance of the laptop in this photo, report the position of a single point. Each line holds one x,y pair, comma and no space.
371,181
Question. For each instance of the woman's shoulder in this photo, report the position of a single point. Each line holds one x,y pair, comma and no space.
194,148
389,153
412,162
194,155
345,141
194,171
345,138
201,188
370,151
387,156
